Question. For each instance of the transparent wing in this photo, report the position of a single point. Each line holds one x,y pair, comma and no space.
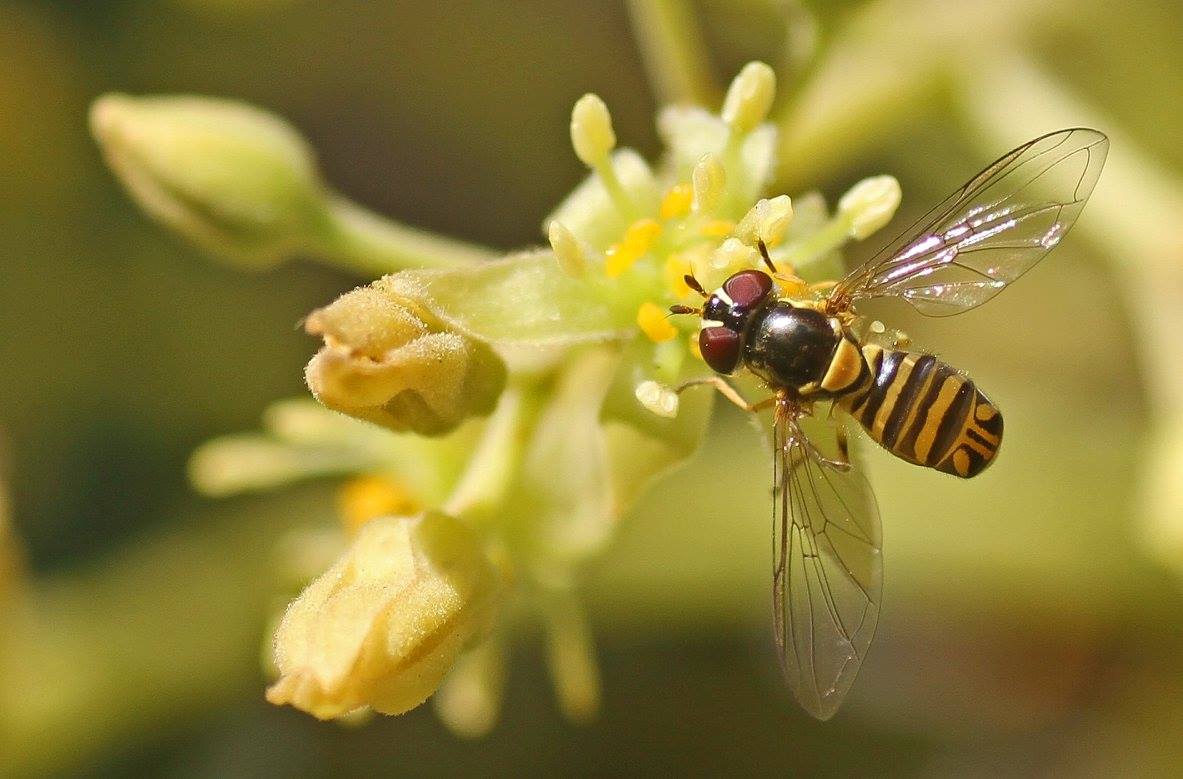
991,231
827,575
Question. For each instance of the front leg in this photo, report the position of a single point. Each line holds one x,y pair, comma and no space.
727,391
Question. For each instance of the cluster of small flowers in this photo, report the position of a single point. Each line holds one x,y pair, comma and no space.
510,410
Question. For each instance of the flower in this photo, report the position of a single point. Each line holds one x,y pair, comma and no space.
580,339
236,180
384,363
243,184
382,627
624,240
521,407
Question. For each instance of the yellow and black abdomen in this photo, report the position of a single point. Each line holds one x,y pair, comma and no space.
924,411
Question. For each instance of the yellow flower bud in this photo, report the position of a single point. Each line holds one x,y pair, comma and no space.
591,130
383,363
382,627
870,204
749,97
232,178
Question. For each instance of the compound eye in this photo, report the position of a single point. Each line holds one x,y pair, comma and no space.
748,287
720,348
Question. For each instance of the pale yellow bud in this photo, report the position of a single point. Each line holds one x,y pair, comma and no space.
708,180
569,252
870,204
749,97
657,398
383,363
240,182
591,130
382,627
767,221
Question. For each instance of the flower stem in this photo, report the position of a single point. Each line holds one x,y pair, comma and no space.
673,51
493,464
362,241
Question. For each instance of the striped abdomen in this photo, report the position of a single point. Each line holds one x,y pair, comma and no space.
920,409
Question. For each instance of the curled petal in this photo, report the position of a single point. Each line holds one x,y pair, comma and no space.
383,363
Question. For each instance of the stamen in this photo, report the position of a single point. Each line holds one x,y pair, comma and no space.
717,228
749,97
676,202
591,131
732,255
370,497
568,251
594,139
767,221
677,267
636,242
869,205
659,399
654,322
709,181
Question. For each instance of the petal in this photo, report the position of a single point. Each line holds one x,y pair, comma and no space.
524,300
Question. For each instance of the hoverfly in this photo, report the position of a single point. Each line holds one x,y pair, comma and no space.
808,344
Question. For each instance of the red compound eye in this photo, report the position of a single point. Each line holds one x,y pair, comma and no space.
720,348
748,287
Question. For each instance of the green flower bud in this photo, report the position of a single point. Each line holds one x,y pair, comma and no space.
236,180
387,364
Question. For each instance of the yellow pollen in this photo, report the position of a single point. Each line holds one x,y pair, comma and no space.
694,349
368,497
654,322
677,201
717,228
636,241
677,266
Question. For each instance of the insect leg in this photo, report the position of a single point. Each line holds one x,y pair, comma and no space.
727,391
842,461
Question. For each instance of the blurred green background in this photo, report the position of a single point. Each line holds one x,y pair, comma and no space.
1028,625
